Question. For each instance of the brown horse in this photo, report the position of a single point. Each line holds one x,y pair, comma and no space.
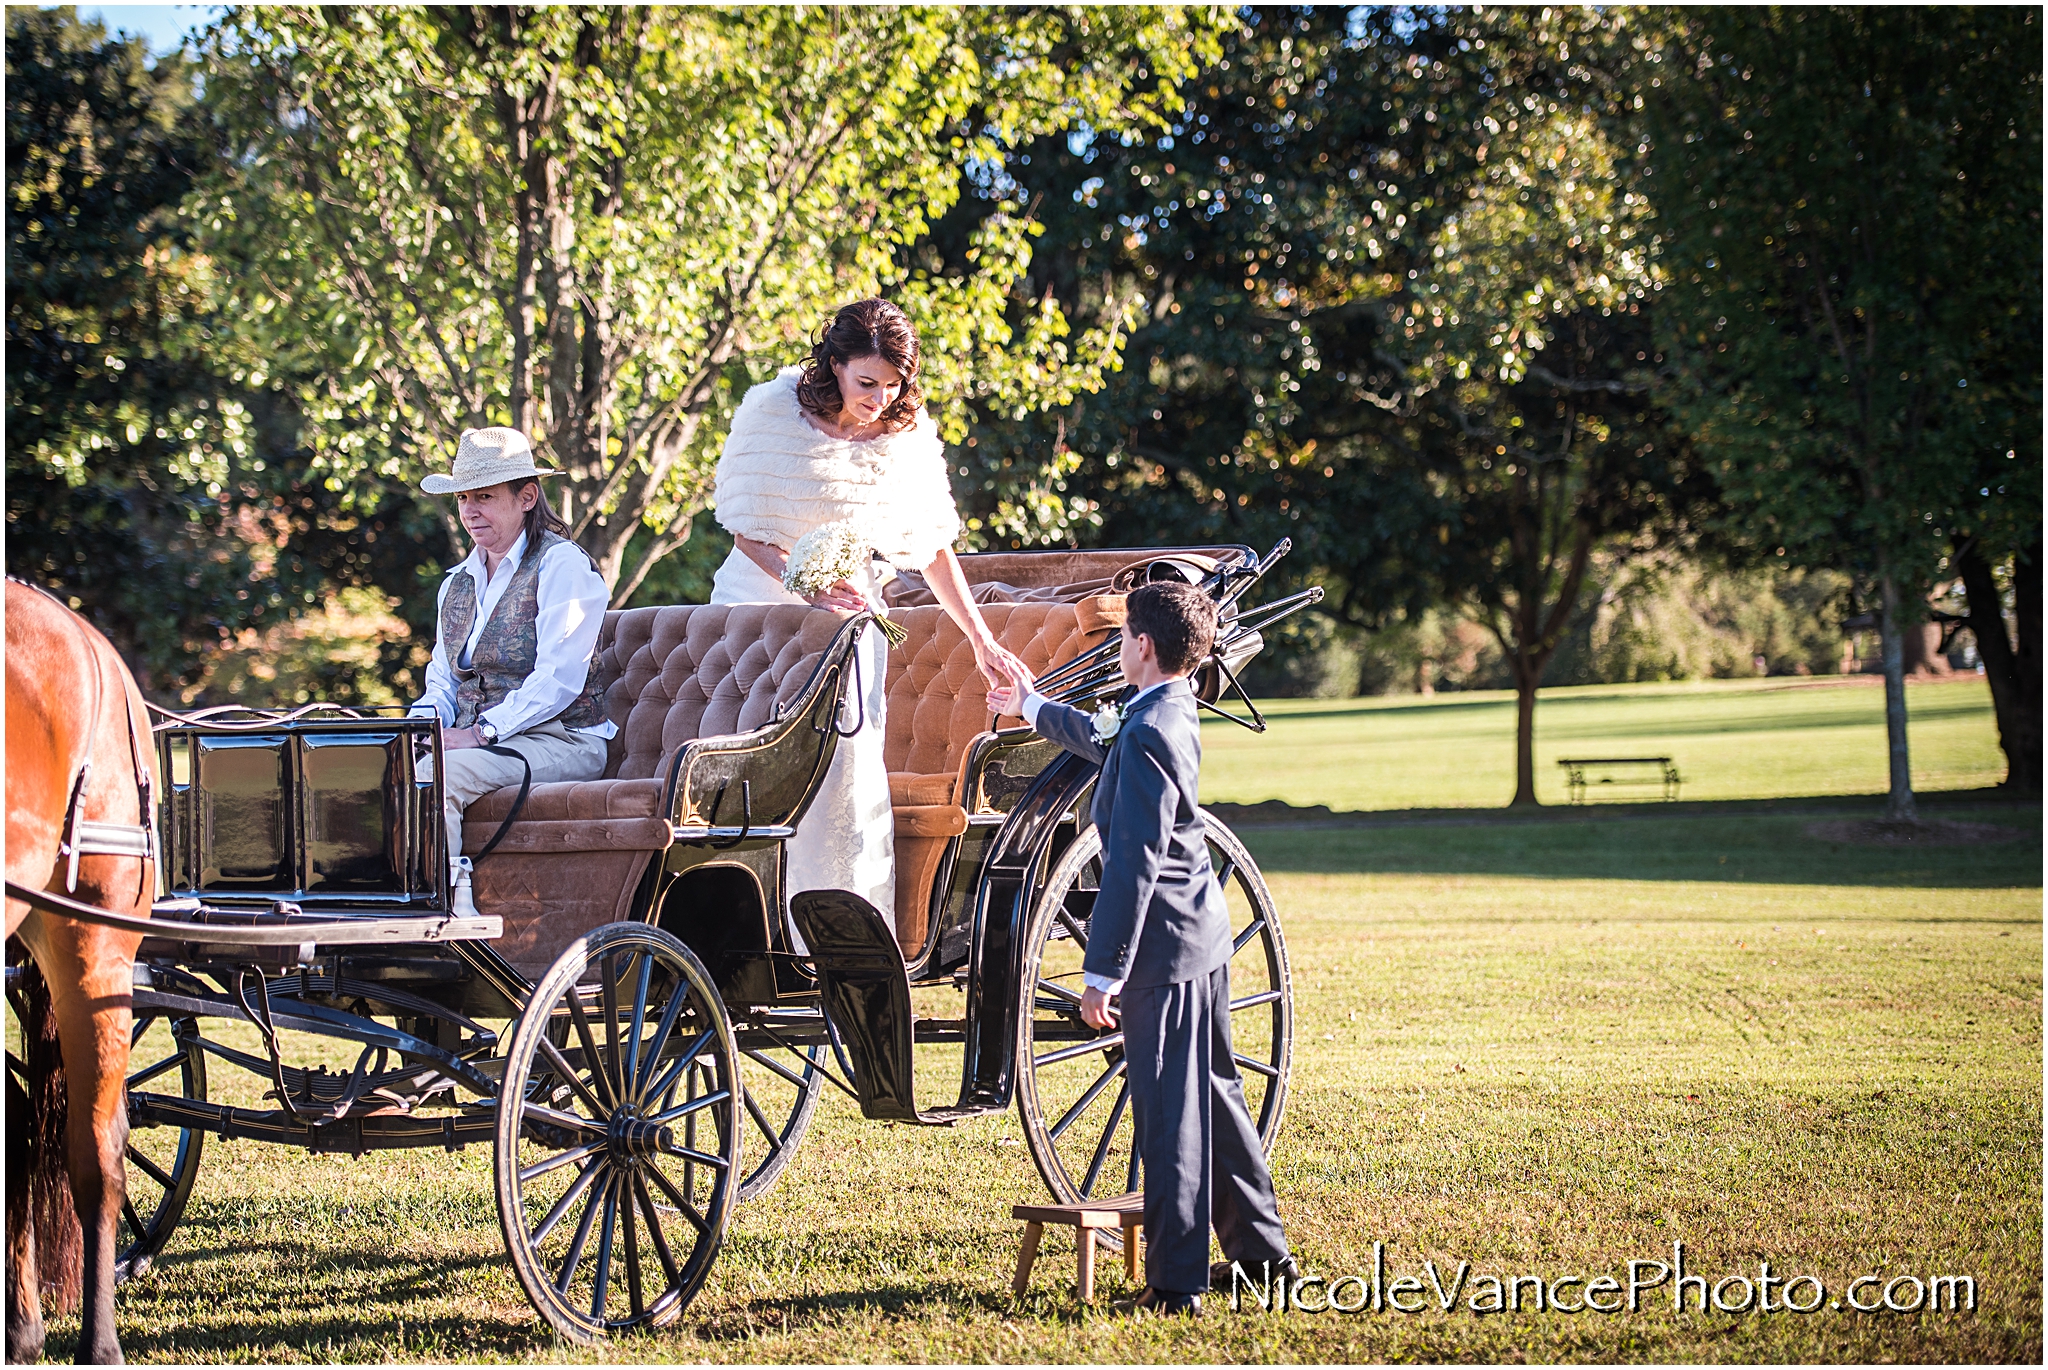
77,753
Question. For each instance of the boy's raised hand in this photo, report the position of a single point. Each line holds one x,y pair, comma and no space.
1008,698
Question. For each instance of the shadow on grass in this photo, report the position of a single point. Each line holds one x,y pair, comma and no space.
1738,842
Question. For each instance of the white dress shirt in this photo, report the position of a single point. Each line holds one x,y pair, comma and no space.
570,599
1028,711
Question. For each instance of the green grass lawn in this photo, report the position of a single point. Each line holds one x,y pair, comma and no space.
1538,1047
1732,739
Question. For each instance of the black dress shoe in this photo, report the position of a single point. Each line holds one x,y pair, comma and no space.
1254,1271
1159,1302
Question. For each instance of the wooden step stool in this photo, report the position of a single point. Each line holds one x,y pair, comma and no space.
1126,1211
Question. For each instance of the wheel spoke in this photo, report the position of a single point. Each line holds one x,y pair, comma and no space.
134,1222
607,1101
650,1051
653,1216
1131,1174
600,1287
1102,1043
152,1169
573,1156
556,1116
1081,1105
608,1001
572,1076
1116,1115
682,1204
1058,990
1270,1072
1073,927
696,1157
628,1227
639,1017
678,1066
1223,876
576,1243
567,1201
143,1077
1243,937
683,1110
784,1071
1254,1000
760,1118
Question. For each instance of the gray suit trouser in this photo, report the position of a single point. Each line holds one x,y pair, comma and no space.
1195,1136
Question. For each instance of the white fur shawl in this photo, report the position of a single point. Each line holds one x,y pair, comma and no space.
780,477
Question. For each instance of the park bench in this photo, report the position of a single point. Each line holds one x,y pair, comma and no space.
1619,770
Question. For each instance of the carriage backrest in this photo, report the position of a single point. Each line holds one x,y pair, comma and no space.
678,672
938,701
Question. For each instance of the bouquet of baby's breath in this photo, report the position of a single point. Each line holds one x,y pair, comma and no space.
828,554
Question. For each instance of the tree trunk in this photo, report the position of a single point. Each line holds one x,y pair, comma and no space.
1528,676
1899,806
2018,709
2026,596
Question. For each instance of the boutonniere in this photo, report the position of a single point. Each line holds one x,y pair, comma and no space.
1109,721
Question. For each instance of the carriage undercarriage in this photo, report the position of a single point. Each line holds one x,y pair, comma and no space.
664,1066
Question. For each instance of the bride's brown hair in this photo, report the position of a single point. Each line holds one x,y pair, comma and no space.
865,328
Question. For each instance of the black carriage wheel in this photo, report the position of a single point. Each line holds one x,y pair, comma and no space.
780,1083
163,1162
1071,1091
618,1141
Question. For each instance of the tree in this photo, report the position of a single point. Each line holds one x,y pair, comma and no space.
601,224
1851,199
1398,269
125,441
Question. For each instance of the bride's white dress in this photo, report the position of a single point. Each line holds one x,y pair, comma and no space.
847,840
779,477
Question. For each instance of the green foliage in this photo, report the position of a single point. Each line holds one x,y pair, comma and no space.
1851,202
127,449
601,225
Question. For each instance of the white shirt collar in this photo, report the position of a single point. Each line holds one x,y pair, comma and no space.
474,562
1139,697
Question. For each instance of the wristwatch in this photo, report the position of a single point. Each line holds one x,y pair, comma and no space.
486,731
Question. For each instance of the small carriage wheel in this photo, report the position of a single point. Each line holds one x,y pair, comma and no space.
780,1083
163,1162
1071,1091
618,1149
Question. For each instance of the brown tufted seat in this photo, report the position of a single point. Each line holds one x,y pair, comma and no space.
938,705
677,672
680,672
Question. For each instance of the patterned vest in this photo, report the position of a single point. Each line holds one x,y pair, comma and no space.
506,650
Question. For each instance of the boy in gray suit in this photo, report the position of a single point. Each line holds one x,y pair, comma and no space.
1160,936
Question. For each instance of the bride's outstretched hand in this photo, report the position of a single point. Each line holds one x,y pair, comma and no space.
1000,667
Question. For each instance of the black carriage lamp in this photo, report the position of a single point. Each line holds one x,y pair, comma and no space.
1097,673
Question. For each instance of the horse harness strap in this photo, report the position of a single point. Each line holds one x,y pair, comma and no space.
90,837
525,788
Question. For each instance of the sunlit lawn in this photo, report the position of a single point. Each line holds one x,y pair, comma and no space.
1732,739
1540,1048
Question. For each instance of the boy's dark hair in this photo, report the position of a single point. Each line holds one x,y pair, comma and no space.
1180,620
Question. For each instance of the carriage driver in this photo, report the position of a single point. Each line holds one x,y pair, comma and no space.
518,620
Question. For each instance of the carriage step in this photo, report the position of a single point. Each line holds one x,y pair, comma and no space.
866,997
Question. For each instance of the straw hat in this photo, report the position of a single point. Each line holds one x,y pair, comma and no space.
488,456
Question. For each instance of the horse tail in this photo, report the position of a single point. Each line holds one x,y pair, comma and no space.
37,1172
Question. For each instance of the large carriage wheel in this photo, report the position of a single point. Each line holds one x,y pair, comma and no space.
163,1162
618,1142
780,1084
1071,1090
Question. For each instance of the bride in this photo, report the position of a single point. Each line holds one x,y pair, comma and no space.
843,436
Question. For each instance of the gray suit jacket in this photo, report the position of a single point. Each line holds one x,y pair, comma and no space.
1159,917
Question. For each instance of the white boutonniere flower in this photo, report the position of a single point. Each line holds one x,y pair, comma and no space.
1108,721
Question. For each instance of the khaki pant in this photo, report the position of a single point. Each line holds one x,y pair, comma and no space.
554,752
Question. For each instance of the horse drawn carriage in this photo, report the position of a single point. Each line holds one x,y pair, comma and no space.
642,1020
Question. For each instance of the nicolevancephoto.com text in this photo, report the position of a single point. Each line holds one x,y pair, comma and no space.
1688,1291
